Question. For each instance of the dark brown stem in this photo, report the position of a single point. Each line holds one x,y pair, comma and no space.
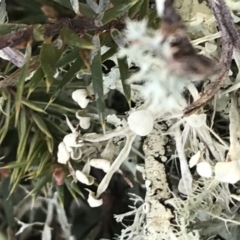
79,25
229,39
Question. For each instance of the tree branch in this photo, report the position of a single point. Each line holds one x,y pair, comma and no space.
79,25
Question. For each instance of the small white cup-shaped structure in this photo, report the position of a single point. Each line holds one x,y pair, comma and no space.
84,120
101,164
81,97
204,169
141,122
83,178
92,200
71,140
63,155
196,120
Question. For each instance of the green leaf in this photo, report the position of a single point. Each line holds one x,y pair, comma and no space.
6,28
7,110
35,80
43,163
67,78
34,143
109,53
50,144
124,73
41,182
41,124
97,80
37,150
68,58
22,143
135,8
38,32
72,39
16,177
49,56
32,106
87,11
117,11
144,9
60,191
14,165
72,187
21,81
7,202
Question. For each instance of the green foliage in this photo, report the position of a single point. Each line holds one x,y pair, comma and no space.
33,106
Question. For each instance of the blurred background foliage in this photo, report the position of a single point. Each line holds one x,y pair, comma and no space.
32,121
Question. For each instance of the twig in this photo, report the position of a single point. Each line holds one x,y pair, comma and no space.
12,79
79,25
228,38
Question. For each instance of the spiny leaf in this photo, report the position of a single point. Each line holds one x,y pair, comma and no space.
72,39
124,73
21,81
97,79
41,124
49,56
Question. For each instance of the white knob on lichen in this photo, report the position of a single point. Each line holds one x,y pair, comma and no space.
63,155
83,178
101,164
92,200
141,122
81,97
84,120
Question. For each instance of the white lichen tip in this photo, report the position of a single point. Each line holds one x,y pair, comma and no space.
135,29
84,121
83,178
63,155
71,140
160,4
141,122
195,159
81,97
92,200
101,164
